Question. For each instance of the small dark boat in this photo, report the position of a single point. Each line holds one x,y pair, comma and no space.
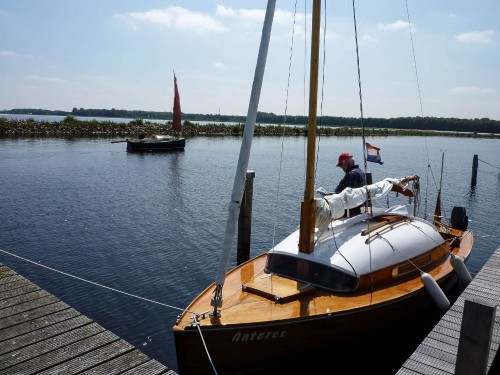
156,143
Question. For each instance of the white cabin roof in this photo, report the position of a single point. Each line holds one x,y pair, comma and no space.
344,247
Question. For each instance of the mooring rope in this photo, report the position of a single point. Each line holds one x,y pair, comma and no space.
197,323
196,315
491,165
94,283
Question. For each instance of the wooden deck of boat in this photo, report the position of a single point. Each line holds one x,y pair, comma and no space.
39,334
437,354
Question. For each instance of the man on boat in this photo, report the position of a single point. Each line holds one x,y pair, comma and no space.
354,178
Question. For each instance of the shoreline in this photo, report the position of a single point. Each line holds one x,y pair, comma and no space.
72,127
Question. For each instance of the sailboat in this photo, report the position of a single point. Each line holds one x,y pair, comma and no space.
334,281
158,142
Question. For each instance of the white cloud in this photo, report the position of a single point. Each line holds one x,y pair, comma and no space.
34,77
4,53
225,12
220,66
471,90
368,39
256,16
175,18
247,15
252,15
398,25
476,37
285,17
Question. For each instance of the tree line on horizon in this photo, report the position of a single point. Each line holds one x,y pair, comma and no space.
483,125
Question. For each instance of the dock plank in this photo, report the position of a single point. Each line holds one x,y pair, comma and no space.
39,334
49,345
437,354
33,314
43,333
90,354
118,365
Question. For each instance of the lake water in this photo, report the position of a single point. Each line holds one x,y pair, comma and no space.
152,225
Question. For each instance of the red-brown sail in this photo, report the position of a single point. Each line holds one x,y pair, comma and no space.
177,108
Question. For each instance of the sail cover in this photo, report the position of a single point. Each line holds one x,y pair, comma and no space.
333,206
177,108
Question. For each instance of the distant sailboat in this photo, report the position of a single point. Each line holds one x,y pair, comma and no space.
176,124
334,283
162,142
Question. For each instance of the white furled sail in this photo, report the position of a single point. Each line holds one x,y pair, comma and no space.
241,169
333,206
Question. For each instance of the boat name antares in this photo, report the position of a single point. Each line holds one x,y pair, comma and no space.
257,336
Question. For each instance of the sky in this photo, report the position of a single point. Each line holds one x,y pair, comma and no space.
416,58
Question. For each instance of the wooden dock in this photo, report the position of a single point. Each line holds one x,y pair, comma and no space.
439,352
39,334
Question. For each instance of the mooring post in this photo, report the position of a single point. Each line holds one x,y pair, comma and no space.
475,337
473,180
245,220
369,179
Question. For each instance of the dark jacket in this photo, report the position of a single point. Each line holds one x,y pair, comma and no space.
354,178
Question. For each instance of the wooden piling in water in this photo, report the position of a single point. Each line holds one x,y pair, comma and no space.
245,220
473,180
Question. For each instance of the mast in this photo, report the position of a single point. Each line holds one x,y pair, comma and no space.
241,169
308,206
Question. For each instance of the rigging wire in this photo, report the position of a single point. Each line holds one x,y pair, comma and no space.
304,99
362,133
421,107
414,59
359,84
283,131
305,56
322,89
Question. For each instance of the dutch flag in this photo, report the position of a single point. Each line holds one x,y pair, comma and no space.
373,154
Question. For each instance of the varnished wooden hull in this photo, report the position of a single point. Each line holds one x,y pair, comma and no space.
255,334
264,348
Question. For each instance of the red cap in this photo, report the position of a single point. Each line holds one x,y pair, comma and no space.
343,156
